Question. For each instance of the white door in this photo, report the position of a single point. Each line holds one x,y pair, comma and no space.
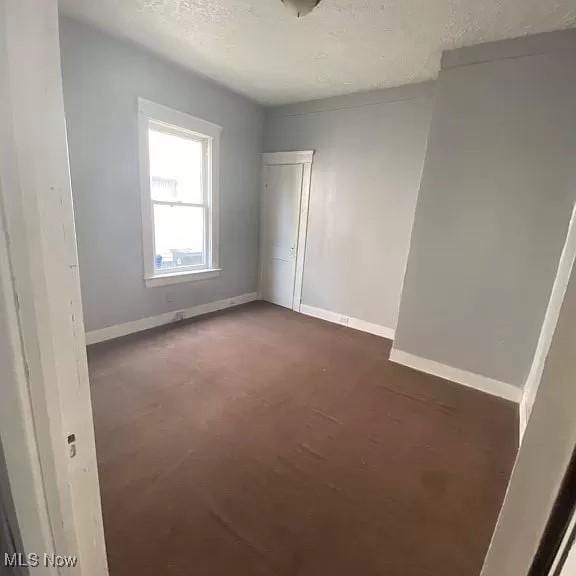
281,194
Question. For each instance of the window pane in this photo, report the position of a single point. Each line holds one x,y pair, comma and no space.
178,236
175,167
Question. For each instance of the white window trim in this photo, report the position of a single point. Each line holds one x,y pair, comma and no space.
174,119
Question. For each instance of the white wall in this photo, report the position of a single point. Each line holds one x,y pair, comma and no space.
369,150
103,77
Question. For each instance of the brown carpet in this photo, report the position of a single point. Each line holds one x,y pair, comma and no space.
259,441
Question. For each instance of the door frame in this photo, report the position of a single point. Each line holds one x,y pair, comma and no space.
543,459
54,481
563,272
305,158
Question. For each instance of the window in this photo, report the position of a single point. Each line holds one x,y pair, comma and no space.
179,172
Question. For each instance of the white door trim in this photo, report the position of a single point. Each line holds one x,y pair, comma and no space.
561,279
302,235
305,158
16,416
40,237
294,157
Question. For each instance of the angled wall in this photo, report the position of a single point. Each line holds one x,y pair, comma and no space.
495,200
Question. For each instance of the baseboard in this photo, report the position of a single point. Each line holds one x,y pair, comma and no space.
117,330
470,379
349,321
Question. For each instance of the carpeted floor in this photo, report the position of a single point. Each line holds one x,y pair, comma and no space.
259,441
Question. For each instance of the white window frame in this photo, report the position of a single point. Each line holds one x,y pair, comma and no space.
172,121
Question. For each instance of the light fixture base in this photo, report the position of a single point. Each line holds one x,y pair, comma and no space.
300,7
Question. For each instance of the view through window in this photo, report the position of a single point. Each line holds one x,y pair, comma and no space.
180,206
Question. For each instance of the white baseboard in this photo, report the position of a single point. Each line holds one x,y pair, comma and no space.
470,379
349,321
118,330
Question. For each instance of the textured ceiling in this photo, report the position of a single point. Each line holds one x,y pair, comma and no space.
258,48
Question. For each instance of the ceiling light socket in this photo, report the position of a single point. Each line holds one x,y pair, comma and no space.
300,7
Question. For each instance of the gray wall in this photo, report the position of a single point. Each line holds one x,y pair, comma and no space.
367,166
103,77
497,190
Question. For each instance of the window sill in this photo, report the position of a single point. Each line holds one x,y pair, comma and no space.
178,277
